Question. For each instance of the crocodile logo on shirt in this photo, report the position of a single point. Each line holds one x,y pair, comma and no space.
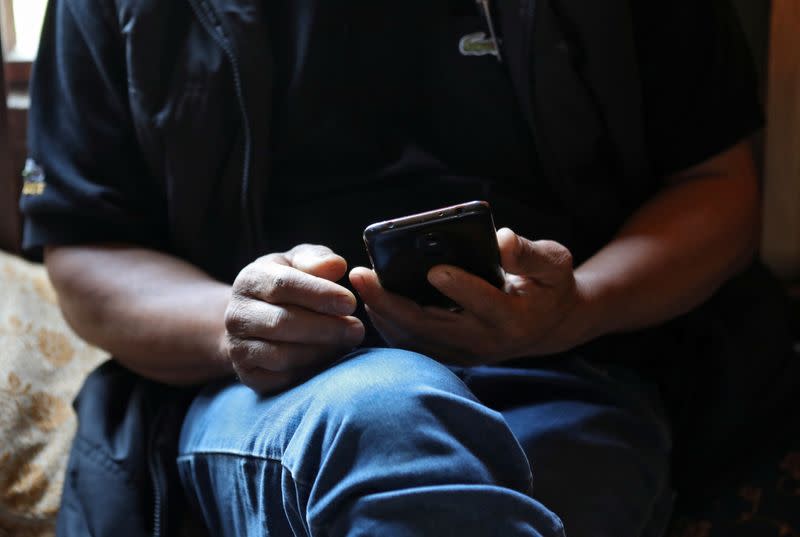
477,44
33,179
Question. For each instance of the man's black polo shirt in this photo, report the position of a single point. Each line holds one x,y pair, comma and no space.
377,111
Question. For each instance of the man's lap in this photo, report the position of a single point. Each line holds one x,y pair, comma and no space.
596,446
596,441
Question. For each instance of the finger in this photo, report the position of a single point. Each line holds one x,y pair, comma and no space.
291,324
545,261
436,349
317,260
388,330
472,293
398,336
416,322
264,381
277,283
278,357
369,288
406,321
421,321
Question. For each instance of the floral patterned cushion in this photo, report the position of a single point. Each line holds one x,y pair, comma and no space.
42,366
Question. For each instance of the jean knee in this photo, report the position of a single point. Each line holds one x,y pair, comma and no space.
396,406
233,418
387,375
384,388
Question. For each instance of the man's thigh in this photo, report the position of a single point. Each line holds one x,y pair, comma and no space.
597,444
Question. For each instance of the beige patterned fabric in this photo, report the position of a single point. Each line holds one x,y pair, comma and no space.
42,366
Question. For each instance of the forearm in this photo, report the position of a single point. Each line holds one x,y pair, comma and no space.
674,252
157,315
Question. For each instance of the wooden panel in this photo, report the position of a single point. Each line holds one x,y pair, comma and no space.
781,231
9,179
18,104
18,73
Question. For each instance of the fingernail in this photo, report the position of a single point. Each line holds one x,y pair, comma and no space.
359,282
354,330
440,277
344,305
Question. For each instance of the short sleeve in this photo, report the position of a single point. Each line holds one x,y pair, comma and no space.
85,181
699,85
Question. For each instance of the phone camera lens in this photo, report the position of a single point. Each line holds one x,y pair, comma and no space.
431,243
432,240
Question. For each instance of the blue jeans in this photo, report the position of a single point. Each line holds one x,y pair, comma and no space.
391,443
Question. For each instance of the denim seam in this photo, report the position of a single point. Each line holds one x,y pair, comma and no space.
188,456
229,454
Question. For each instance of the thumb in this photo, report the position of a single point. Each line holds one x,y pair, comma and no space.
317,260
544,261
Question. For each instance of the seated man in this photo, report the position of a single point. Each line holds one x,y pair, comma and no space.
208,168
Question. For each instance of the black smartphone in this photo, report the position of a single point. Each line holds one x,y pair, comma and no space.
403,250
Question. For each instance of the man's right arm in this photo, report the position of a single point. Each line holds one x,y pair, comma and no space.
283,318
159,316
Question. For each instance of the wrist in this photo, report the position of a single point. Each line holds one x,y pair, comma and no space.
220,355
219,343
585,319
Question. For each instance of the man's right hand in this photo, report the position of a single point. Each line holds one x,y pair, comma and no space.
288,318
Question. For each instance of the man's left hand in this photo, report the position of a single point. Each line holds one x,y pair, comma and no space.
532,315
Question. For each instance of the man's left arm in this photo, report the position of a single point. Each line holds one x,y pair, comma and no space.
670,256
676,250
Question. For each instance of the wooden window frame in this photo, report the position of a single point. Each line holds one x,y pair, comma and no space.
14,102
780,244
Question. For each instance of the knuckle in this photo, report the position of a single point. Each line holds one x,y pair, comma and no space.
239,352
246,280
564,258
277,320
302,247
275,284
317,249
237,319
230,343
268,281
268,258
558,253
247,355
278,281
280,358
